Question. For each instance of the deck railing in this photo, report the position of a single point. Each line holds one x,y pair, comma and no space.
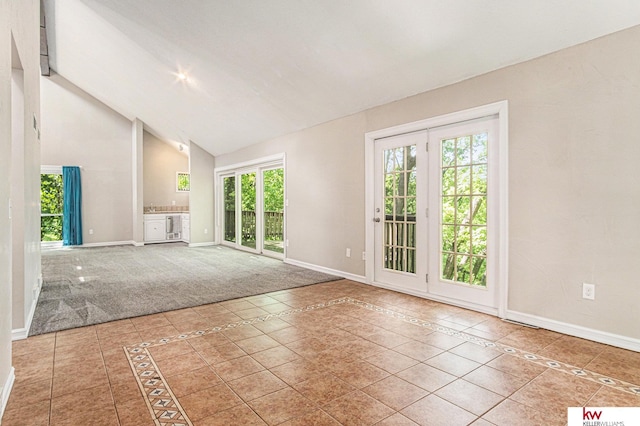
273,225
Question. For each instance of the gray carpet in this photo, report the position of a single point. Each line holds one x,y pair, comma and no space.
84,286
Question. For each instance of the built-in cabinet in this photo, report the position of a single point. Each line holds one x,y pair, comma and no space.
186,228
157,228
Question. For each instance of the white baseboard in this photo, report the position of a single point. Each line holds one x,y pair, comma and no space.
577,331
205,244
347,275
112,243
6,390
23,333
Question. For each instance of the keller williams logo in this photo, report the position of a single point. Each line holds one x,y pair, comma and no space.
590,415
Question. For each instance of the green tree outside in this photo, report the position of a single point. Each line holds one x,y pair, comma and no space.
51,211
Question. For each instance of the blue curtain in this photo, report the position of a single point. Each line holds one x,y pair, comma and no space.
72,206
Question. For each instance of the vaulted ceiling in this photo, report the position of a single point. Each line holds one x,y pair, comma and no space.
257,69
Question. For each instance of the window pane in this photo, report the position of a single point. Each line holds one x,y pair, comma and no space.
480,142
51,228
463,151
248,204
463,180
400,208
479,184
480,240
463,239
464,209
463,269
273,210
51,193
448,152
448,210
479,271
449,181
229,184
479,210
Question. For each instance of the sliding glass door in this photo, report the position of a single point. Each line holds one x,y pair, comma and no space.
253,210
273,210
248,221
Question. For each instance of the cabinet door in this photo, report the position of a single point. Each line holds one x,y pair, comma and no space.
155,230
185,230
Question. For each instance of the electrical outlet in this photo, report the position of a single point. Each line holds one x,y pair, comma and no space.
348,252
206,231
588,291
90,231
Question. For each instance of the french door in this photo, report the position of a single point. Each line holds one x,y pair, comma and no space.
400,220
253,210
436,212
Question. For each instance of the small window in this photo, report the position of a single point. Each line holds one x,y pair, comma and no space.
183,182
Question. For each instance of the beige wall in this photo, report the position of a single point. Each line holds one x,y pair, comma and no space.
161,163
22,20
78,130
201,196
574,197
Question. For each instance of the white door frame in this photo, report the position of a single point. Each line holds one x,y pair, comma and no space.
501,110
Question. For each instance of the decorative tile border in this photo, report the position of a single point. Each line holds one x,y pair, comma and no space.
167,411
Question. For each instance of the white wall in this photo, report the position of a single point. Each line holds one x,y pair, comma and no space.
573,178
161,163
20,19
78,130
201,196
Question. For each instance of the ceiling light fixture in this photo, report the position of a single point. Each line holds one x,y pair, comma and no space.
181,147
182,76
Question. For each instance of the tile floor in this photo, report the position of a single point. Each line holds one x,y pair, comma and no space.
327,354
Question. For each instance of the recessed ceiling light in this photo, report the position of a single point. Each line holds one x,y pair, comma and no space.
182,76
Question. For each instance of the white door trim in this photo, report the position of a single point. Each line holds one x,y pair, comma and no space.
498,108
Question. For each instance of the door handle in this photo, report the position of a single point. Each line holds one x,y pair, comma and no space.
376,219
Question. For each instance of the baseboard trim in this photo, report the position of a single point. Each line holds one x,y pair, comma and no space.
23,333
112,243
206,244
346,275
6,391
577,331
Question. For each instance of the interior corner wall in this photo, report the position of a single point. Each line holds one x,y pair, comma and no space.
5,191
79,130
201,165
574,198
161,163
25,29
20,21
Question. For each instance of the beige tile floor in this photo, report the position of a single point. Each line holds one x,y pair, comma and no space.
370,357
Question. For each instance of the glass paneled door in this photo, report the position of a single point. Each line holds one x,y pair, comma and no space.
400,217
248,222
464,196
253,204
229,200
273,211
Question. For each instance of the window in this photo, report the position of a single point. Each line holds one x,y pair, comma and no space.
51,199
183,182
464,209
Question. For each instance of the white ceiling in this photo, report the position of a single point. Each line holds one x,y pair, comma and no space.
259,69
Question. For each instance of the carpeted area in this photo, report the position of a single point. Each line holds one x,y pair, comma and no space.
84,286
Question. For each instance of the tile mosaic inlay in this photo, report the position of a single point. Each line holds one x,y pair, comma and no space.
166,409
